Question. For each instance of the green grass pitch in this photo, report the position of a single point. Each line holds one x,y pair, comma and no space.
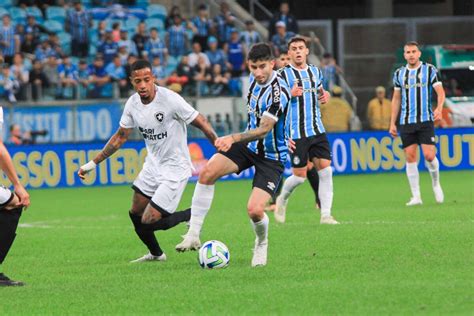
74,247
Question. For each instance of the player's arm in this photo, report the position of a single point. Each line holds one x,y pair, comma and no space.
203,124
439,105
114,144
266,124
395,110
6,165
323,96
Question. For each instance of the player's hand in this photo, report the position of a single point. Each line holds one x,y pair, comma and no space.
393,130
23,196
324,97
224,143
296,91
291,145
437,114
85,169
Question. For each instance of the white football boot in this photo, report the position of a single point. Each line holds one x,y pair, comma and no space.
414,201
260,253
190,242
328,220
280,209
439,195
150,257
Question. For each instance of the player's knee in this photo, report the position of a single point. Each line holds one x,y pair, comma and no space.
207,176
150,217
256,211
429,156
300,172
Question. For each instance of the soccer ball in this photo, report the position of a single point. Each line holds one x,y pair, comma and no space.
213,255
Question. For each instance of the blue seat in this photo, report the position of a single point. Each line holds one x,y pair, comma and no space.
56,13
131,23
18,14
34,11
64,38
157,11
157,23
53,26
3,11
6,3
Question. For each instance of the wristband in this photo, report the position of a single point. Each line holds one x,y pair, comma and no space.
89,166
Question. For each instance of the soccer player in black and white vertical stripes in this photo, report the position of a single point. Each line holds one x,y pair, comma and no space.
413,86
11,207
306,129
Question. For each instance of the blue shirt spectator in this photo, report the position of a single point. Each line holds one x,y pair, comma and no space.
236,54
201,22
68,70
115,70
250,37
9,40
78,22
281,38
108,48
155,47
125,41
216,55
177,38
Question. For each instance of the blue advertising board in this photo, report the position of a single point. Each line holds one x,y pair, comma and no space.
43,166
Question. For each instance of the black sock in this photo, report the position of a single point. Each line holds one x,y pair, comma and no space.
313,179
146,236
170,221
8,225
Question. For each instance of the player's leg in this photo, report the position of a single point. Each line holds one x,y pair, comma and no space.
313,178
432,163
219,165
9,217
299,161
411,153
271,206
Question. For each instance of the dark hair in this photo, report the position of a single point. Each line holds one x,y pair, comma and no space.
295,39
412,43
283,52
140,64
327,55
260,51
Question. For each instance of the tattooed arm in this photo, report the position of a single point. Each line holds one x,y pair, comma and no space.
266,125
114,143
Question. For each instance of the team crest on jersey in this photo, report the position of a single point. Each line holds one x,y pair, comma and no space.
160,116
296,160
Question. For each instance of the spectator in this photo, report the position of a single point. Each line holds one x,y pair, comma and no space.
38,80
108,49
116,32
201,25
176,38
78,22
222,23
288,19
158,71
17,137
228,123
28,45
202,76
379,110
101,30
330,71
55,45
219,125
336,114
50,69
219,81
281,38
8,84
216,55
283,60
21,75
196,54
83,75
169,21
128,43
182,78
44,51
250,36
32,27
99,79
116,72
236,54
128,69
68,78
140,38
9,40
155,47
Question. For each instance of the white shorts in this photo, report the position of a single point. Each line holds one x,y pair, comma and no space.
5,196
164,193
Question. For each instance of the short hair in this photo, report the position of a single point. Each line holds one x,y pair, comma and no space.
140,64
412,43
260,51
295,39
283,52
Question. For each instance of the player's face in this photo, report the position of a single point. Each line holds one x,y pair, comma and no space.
298,52
283,60
261,69
143,82
412,54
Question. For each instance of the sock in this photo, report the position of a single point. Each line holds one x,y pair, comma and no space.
325,190
168,222
433,168
290,184
413,179
261,228
146,236
8,225
201,203
313,179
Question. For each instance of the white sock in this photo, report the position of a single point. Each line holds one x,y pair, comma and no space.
290,184
433,168
201,203
325,190
413,179
261,228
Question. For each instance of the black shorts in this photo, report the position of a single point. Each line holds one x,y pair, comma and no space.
268,172
308,148
417,133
